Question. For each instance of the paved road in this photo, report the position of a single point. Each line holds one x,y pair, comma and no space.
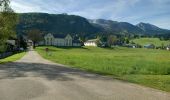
34,78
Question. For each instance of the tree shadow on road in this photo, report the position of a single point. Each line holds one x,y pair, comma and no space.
48,71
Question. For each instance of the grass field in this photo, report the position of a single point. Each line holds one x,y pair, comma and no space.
12,58
146,67
155,41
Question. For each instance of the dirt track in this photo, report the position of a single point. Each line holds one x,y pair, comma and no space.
34,78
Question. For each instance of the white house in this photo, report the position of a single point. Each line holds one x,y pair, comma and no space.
92,42
60,40
29,42
11,42
168,48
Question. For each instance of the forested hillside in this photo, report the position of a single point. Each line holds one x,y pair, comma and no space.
72,24
55,24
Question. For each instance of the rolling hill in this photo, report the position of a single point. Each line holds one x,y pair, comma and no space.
155,41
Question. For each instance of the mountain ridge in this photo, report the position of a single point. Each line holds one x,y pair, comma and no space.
144,28
150,28
63,23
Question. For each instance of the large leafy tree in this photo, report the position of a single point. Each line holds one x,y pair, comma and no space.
111,40
35,35
8,21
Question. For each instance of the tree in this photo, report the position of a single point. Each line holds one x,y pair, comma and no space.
126,40
98,41
104,39
82,39
111,40
22,42
8,21
162,46
35,35
4,5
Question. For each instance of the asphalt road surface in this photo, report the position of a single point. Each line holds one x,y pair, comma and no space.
34,78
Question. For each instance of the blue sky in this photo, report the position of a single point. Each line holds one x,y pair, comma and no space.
156,12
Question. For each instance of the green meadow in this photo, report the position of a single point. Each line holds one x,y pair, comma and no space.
12,58
142,66
155,41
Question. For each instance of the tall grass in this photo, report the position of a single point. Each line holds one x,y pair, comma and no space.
119,62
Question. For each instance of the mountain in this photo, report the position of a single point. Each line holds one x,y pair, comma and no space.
119,27
116,27
72,24
54,23
152,29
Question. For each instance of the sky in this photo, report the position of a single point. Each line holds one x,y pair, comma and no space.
156,12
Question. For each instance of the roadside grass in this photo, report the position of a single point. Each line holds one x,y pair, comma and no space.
161,82
155,41
143,66
12,58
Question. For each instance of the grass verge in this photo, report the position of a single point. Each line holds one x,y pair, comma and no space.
12,58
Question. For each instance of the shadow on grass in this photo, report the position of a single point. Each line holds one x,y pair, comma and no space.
48,71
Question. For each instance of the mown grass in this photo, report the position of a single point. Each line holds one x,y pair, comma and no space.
161,82
155,41
12,58
147,67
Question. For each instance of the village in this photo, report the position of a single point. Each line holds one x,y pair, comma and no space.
84,50
61,40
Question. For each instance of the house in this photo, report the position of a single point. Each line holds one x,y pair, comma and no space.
149,46
92,42
131,45
29,43
168,48
11,42
60,40
11,45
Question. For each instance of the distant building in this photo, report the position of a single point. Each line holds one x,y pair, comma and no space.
60,40
149,46
29,43
11,45
168,48
11,42
92,42
131,45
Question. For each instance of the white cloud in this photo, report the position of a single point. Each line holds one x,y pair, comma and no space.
22,6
